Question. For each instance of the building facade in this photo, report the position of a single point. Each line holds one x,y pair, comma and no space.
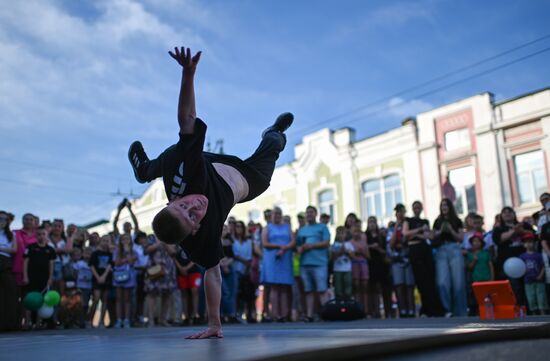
490,154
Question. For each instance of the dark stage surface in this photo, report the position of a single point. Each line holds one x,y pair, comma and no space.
248,342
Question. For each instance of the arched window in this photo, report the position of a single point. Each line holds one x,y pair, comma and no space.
371,198
392,193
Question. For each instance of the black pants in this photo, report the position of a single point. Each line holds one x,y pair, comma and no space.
422,262
9,315
257,169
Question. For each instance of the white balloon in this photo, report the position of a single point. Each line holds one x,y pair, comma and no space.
514,267
45,312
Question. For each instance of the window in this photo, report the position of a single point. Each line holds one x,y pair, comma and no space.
464,182
379,197
326,203
457,139
392,193
530,176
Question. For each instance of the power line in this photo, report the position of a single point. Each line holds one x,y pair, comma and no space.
420,85
60,170
64,189
423,95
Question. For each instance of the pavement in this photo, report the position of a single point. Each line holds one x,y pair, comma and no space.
260,341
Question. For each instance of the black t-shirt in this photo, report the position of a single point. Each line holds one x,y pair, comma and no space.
101,260
415,223
39,261
378,266
456,225
188,170
513,247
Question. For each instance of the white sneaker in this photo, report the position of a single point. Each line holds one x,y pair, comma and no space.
118,323
448,315
127,323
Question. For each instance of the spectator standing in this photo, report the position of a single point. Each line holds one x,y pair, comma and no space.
402,271
229,298
380,283
541,217
140,265
479,267
545,243
278,242
189,282
313,242
246,291
416,232
58,241
9,320
341,251
38,266
124,279
127,226
507,237
159,287
24,238
101,265
450,271
84,283
298,294
534,276
360,265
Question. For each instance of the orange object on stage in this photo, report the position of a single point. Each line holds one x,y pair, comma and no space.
500,296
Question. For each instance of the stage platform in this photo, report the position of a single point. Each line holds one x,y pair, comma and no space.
292,341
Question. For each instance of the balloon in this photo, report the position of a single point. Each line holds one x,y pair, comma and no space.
33,301
45,312
514,267
51,298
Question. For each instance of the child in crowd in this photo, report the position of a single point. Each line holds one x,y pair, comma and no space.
38,267
101,266
189,281
478,260
340,253
140,244
479,266
70,308
534,276
124,278
84,282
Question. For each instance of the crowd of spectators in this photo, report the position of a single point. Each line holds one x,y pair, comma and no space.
272,272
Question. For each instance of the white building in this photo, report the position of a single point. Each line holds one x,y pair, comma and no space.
494,154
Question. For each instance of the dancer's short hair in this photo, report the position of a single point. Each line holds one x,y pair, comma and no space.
168,228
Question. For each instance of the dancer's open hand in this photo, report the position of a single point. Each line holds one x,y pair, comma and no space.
184,58
210,332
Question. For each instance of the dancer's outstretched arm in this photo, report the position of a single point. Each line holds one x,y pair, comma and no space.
186,104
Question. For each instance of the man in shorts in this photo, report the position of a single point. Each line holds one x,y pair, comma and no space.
313,240
202,187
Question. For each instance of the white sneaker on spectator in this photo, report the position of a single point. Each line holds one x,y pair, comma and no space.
448,315
127,323
118,323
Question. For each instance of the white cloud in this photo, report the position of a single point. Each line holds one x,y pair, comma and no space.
397,107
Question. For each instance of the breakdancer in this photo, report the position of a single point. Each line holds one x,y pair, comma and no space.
202,187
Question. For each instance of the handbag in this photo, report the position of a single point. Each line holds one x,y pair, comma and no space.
155,272
121,275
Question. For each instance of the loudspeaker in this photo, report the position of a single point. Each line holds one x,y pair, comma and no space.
340,310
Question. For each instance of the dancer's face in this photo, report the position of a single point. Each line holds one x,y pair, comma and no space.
190,210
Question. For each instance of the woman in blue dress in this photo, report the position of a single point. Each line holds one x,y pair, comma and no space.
278,243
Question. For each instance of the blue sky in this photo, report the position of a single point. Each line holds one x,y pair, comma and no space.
80,80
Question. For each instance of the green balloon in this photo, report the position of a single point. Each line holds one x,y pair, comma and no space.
33,301
51,298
